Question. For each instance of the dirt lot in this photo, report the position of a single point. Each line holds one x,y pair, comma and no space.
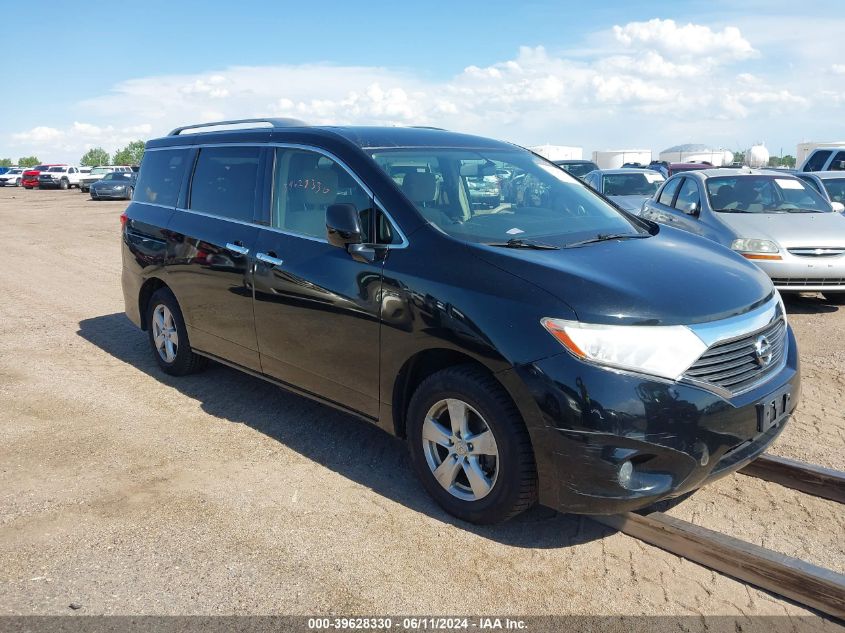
127,491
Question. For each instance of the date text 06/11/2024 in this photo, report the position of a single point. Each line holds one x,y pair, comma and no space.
416,624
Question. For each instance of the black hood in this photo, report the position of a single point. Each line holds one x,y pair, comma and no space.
669,278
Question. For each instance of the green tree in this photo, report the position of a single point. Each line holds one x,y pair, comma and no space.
95,156
28,161
774,161
131,154
739,157
788,161
6,162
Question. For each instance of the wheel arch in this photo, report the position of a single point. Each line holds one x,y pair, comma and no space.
148,288
420,366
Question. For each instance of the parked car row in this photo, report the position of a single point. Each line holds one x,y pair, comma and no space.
105,181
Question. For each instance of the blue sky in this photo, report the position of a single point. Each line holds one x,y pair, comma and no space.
596,75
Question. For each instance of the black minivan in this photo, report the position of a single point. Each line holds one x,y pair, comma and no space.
531,341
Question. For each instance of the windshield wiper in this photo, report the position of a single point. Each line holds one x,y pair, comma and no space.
522,243
806,211
605,237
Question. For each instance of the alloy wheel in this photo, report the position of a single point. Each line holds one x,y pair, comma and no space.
165,336
460,449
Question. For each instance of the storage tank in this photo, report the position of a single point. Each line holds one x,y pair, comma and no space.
558,152
757,156
697,153
615,158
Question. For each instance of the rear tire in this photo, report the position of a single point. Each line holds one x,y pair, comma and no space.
836,298
17,182
169,338
129,193
473,476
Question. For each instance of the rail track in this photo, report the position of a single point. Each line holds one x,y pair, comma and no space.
807,584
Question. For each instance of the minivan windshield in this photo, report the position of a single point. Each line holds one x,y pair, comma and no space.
101,170
501,196
117,175
579,169
835,188
631,184
764,194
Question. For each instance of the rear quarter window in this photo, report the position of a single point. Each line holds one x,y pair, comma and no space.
161,176
817,160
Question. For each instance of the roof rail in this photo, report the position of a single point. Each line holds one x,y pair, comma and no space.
428,127
274,123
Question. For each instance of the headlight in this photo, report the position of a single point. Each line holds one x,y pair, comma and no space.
660,350
119,187
756,249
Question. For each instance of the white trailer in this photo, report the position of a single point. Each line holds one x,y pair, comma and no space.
558,152
615,158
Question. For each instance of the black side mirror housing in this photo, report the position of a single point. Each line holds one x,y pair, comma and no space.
343,225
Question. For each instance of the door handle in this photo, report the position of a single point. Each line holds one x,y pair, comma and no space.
237,248
268,259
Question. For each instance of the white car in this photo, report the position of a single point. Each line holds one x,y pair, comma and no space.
60,176
12,178
97,173
825,159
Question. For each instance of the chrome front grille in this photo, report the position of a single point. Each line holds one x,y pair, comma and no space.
786,282
817,251
734,365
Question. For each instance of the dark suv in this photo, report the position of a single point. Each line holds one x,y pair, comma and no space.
543,346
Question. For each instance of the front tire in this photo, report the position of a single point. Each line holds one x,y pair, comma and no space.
469,446
836,298
169,338
129,193
63,184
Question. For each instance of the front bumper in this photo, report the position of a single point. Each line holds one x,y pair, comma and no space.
108,193
586,421
806,274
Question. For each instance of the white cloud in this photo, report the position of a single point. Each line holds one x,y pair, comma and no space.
686,42
654,81
838,69
40,134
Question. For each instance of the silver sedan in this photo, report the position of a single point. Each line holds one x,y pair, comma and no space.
777,221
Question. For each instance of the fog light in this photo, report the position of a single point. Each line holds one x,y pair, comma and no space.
626,470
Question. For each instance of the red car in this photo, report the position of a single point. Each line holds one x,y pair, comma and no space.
30,176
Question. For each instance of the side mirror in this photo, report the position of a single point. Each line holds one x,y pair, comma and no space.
695,208
343,225
343,229
838,206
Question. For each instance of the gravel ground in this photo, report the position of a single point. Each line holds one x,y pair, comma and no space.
126,491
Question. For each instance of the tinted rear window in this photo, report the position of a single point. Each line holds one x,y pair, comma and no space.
161,176
224,182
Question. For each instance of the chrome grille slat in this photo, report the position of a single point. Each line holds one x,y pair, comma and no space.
817,251
704,361
808,281
732,364
727,375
